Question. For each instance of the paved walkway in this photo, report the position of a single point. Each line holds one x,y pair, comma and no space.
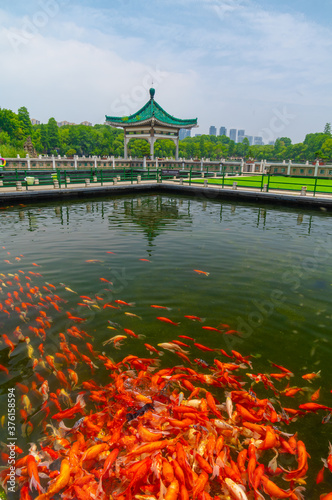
280,197
50,187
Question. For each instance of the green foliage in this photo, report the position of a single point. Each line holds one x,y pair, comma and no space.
327,129
103,140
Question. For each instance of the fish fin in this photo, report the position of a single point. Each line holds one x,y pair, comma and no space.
141,336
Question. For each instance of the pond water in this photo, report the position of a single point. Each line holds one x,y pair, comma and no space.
269,277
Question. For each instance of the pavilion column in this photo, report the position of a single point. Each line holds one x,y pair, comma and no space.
152,147
125,142
177,149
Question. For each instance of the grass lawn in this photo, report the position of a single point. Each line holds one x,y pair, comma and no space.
276,182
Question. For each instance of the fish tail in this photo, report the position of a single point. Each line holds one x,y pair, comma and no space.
141,336
161,353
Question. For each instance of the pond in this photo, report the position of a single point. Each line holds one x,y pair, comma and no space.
265,276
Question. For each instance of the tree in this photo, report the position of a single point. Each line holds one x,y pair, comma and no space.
24,120
53,134
327,129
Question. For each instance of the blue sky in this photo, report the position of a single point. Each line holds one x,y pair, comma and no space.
263,66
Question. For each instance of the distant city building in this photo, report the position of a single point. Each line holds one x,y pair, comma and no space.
35,122
232,134
183,133
271,143
213,130
62,124
222,131
198,135
240,135
88,124
250,139
258,141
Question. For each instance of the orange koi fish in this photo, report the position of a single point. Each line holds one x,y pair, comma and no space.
194,318
167,320
145,260
315,395
33,474
123,303
211,328
75,318
185,337
311,376
160,307
203,347
71,412
133,334
314,407
201,272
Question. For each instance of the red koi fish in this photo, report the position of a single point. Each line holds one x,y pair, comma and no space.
123,303
314,407
211,328
160,307
185,337
201,272
71,412
194,318
145,260
167,320
75,318
133,334
203,347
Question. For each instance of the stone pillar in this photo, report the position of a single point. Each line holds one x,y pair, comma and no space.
75,161
28,162
125,155
289,167
95,162
113,162
177,149
144,162
201,164
316,168
151,141
53,162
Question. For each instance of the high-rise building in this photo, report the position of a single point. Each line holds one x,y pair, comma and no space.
258,141
250,139
183,133
222,131
240,135
213,130
34,121
232,134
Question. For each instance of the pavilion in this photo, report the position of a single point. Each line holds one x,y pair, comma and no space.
151,123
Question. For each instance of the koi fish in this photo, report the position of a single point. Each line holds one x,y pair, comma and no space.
194,318
145,260
167,320
71,412
201,272
133,334
123,303
161,307
211,328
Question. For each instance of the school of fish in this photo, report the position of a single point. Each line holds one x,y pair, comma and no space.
147,432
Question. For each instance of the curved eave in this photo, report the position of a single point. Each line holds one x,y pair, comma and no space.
138,123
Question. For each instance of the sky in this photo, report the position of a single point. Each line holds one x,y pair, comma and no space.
264,66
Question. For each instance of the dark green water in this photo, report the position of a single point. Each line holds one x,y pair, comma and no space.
270,278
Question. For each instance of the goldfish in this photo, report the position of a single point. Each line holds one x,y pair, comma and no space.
167,320
311,376
211,328
123,303
194,318
71,412
172,347
133,334
160,307
201,272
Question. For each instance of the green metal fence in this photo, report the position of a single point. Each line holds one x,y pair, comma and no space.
100,177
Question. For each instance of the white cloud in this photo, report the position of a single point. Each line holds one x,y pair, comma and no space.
228,62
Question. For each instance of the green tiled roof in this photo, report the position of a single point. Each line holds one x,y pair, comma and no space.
151,110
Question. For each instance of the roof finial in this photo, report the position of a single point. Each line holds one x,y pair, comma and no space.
152,92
